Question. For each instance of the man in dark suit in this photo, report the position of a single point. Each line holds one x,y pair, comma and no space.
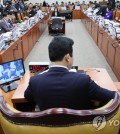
4,24
58,87
103,10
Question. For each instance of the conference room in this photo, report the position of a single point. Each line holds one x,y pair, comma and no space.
96,53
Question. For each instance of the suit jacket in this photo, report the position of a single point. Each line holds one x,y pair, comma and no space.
60,88
102,11
32,13
18,7
5,26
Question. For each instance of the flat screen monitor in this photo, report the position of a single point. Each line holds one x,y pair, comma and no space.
10,72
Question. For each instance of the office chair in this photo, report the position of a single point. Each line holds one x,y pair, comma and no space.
19,17
61,120
102,11
116,15
56,27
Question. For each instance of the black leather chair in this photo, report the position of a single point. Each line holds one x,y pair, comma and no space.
56,28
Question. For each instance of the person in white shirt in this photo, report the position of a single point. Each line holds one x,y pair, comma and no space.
39,11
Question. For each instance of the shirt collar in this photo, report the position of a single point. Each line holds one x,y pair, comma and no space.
58,66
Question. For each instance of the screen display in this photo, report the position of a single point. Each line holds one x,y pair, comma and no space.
37,68
11,71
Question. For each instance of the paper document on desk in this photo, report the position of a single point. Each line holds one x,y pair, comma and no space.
117,29
79,71
115,24
72,70
56,17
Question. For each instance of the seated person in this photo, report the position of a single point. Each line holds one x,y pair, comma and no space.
109,14
31,10
58,87
11,18
96,8
102,10
18,6
4,24
39,11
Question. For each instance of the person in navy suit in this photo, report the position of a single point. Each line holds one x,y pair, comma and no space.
4,24
59,87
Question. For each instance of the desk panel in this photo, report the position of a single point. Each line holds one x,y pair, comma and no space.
105,43
95,31
116,67
76,14
14,51
112,45
100,37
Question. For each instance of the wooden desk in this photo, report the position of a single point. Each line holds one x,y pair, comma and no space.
50,22
95,32
21,47
100,75
108,46
76,14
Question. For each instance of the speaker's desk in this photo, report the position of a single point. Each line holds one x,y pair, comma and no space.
99,75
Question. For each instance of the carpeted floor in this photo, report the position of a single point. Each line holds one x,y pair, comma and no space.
86,53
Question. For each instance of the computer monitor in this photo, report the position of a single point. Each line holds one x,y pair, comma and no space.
10,72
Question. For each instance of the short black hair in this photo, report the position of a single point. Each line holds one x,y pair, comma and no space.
5,14
59,47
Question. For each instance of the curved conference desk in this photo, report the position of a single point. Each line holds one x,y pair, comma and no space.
21,47
108,46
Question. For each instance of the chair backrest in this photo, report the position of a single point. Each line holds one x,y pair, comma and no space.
70,7
114,12
56,21
83,7
44,9
59,8
19,17
117,15
22,16
103,2
61,120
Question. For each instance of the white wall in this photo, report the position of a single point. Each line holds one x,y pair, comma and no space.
59,1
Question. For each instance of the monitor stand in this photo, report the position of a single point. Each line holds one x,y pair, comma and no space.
9,86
